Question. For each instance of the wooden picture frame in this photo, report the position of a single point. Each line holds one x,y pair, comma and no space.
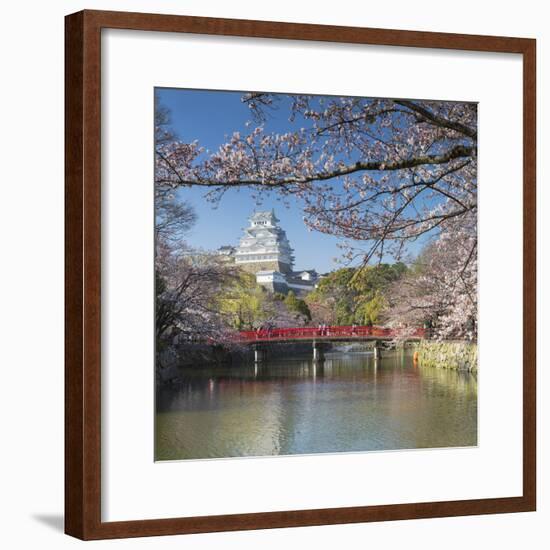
83,274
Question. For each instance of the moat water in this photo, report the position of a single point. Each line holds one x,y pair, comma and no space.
347,403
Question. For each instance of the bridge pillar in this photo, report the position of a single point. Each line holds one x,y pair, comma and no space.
377,350
260,354
318,352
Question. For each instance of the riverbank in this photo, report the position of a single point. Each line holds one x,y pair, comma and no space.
447,355
172,362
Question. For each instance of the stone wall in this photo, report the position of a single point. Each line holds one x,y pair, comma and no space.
281,288
447,355
172,364
268,265
170,361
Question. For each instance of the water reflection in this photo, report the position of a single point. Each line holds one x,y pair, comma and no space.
349,402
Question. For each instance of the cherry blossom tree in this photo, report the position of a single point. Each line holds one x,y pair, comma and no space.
440,292
188,284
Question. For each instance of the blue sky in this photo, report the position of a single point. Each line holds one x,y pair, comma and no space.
209,117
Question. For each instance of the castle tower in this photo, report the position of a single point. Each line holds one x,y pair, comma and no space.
264,246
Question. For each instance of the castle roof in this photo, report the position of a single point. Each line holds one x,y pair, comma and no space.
266,215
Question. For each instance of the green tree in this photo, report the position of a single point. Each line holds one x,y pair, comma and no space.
352,295
242,303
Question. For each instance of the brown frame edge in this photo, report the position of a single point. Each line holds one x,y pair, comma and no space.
83,274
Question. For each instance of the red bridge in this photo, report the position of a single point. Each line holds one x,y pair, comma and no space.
327,333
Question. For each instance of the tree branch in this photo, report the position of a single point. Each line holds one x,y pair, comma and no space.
438,120
458,151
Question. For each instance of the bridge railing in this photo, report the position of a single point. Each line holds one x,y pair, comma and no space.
297,333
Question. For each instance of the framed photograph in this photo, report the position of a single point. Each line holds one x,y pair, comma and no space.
300,275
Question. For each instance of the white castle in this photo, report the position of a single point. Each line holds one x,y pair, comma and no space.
265,251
